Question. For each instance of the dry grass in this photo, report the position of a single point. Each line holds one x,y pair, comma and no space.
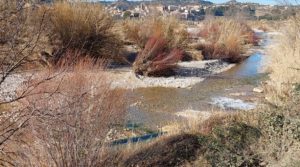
21,34
140,31
266,25
285,62
280,120
156,59
226,39
161,41
85,27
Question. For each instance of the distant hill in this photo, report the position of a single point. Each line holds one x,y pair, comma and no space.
123,4
179,2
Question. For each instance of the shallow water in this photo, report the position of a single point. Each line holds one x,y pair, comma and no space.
155,107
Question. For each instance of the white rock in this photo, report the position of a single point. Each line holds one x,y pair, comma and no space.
258,90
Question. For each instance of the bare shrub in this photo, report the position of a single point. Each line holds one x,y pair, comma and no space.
86,27
21,38
156,59
73,113
226,39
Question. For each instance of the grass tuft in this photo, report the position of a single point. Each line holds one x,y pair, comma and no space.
85,27
226,39
156,58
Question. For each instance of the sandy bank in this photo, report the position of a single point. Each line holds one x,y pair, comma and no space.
187,75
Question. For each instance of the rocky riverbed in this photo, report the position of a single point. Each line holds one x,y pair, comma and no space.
10,85
186,75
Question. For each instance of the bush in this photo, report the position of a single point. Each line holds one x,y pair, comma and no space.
226,39
285,64
231,145
161,41
280,119
156,58
72,114
140,31
21,37
85,27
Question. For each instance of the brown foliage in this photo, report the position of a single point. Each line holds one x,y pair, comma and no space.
156,59
226,39
85,27
21,37
140,31
71,116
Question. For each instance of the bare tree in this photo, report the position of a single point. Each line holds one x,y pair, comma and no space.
70,126
51,118
19,41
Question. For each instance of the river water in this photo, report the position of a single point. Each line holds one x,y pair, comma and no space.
156,107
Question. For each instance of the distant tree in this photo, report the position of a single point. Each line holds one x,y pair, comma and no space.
126,14
219,11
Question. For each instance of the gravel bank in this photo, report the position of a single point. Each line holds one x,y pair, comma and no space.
9,87
187,75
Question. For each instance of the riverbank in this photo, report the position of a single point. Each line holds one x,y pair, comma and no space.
186,75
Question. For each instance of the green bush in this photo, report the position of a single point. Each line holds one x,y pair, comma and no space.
231,145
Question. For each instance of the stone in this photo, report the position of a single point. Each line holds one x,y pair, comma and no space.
258,90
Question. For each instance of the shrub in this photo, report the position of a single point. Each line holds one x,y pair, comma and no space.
280,119
231,145
72,115
21,38
226,39
156,58
85,27
161,41
285,64
281,134
140,31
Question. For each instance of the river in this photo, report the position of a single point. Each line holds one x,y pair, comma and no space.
157,107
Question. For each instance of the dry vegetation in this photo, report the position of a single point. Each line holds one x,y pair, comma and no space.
162,41
156,58
268,136
69,117
62,117
170,29
280,125
84,27
21,37
285,61
226,39
266,25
